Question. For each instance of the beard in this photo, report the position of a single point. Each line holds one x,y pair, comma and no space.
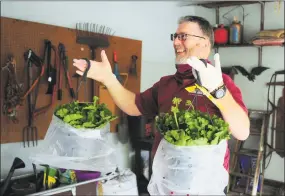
181,58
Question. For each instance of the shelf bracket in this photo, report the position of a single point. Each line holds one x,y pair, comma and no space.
260,56
217,15
217,22
262,8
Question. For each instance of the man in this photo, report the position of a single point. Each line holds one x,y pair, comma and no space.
192,41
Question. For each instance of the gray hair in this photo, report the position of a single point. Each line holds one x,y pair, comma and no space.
204,25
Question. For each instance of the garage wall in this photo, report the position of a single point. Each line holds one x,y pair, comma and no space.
131,20
149,21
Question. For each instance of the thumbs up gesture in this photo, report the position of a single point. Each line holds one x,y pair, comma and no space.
99,71
210,75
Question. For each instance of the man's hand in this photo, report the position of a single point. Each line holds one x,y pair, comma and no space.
99,71
102,72
210,76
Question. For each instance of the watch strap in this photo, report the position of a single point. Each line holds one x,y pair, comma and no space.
223,87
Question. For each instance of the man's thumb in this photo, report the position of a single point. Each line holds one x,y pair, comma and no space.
104,57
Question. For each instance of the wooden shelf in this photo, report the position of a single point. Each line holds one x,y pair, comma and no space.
215,4
276,83
234,45
242,45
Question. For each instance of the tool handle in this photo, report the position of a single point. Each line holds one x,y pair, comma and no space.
115,57
59,94
71,92
84,77
66,63
48,45
59,91
36,60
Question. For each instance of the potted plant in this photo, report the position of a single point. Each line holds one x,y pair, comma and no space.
85,115
78,138
191,127
189,159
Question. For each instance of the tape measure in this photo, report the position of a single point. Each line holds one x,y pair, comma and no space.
194,88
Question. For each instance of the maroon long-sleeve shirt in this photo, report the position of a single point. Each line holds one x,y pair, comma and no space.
159,97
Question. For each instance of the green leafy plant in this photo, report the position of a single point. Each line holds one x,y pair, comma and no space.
85,115
191,127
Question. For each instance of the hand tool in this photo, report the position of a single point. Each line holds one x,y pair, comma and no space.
30,56
52,87
67,70
51,71
84,77
59,90
63,64
116,67
30,130
94,36
122,127
13,91
133,67
77,76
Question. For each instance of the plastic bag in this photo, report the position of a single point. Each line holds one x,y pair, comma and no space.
189,170
80,149
124,184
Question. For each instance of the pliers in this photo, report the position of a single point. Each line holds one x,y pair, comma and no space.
63,63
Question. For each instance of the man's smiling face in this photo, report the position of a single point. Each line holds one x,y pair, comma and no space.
187,37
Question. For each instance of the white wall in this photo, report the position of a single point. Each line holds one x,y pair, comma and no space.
255,93
149,21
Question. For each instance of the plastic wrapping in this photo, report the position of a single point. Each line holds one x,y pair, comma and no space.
189,170
79,149
124,184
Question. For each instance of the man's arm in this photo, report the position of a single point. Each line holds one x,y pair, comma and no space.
122,97
132,104
144,103
234,111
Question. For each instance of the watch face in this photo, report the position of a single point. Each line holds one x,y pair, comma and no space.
220,93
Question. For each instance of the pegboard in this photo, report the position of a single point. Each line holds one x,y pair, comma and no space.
18,36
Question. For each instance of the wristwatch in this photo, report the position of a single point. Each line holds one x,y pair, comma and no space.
219,92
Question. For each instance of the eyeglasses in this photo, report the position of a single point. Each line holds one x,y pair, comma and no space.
183,36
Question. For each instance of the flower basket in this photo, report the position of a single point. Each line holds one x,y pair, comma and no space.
77,138
189,159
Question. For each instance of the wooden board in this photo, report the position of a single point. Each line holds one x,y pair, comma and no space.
17,36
